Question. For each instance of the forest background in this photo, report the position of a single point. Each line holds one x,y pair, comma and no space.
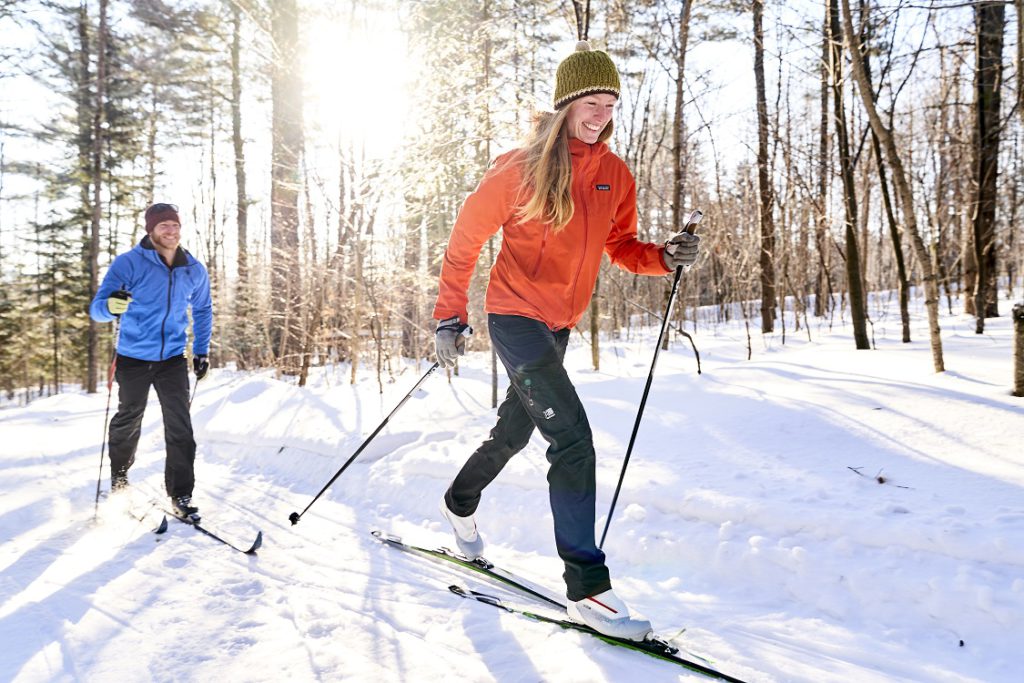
319,153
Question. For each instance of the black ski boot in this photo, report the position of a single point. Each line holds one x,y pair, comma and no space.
182,507
118,482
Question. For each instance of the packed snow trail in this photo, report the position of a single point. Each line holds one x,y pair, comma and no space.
739,519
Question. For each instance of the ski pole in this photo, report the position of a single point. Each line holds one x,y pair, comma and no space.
195,387
192,397
296,516
691,225
110,391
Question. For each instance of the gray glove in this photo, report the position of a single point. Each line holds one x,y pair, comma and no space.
450,341
681,250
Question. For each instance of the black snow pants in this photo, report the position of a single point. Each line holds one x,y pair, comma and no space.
170,378
541,396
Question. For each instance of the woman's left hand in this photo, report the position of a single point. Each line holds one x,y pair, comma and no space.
681,250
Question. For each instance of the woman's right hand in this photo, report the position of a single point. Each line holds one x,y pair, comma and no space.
450,341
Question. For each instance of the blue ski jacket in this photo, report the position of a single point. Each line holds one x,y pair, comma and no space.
155,325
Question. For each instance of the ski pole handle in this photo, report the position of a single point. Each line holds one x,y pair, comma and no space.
689,228
463,338
691,225
692,220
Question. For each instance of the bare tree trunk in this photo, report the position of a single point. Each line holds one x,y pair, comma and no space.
1012,227
821,225
765,191
98,139
903,283
213,239
1018,350
863,240
902,189
487,134
582,12
854,283
244,303
1020,60
2,160
897,244
287,144
966,270
241,201
678,123
968,259
151,135
988,76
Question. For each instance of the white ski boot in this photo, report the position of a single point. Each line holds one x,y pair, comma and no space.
607,614
466,535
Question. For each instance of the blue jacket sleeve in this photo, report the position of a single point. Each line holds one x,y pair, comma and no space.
118,277
202,314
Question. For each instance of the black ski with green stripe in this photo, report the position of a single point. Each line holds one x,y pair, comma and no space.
654,647
480,567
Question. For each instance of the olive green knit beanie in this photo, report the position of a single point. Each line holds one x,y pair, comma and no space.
583,72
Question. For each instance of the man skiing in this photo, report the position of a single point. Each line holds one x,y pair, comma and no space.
150,288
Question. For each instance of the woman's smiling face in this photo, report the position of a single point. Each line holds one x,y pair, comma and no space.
588,116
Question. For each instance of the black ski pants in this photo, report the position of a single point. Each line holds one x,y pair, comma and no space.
541,396
170,378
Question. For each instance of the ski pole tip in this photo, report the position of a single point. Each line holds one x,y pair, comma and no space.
294,518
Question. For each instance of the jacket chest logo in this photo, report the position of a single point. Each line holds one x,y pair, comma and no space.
603,187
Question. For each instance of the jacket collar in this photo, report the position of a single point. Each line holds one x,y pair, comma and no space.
180,255
578,148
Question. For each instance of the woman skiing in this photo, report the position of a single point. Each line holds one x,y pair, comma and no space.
561,201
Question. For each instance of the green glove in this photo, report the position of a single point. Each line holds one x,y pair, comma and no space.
118,302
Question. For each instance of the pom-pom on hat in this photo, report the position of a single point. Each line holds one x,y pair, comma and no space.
583,72
158,213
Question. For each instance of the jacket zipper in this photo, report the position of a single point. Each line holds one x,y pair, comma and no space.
586,232
167,313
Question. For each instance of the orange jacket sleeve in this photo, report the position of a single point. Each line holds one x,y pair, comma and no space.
622,246
483,213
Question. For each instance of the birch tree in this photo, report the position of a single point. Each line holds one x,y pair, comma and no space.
900,178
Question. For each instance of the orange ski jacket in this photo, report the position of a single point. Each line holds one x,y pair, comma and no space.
539,273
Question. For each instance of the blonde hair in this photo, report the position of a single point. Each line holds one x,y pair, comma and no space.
547,170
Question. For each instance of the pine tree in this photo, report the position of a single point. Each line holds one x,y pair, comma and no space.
100,132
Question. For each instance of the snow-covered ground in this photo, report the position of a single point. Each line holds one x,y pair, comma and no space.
742,519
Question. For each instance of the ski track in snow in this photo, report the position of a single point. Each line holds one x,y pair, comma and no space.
740,520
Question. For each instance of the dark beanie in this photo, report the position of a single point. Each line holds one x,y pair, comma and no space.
158,213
